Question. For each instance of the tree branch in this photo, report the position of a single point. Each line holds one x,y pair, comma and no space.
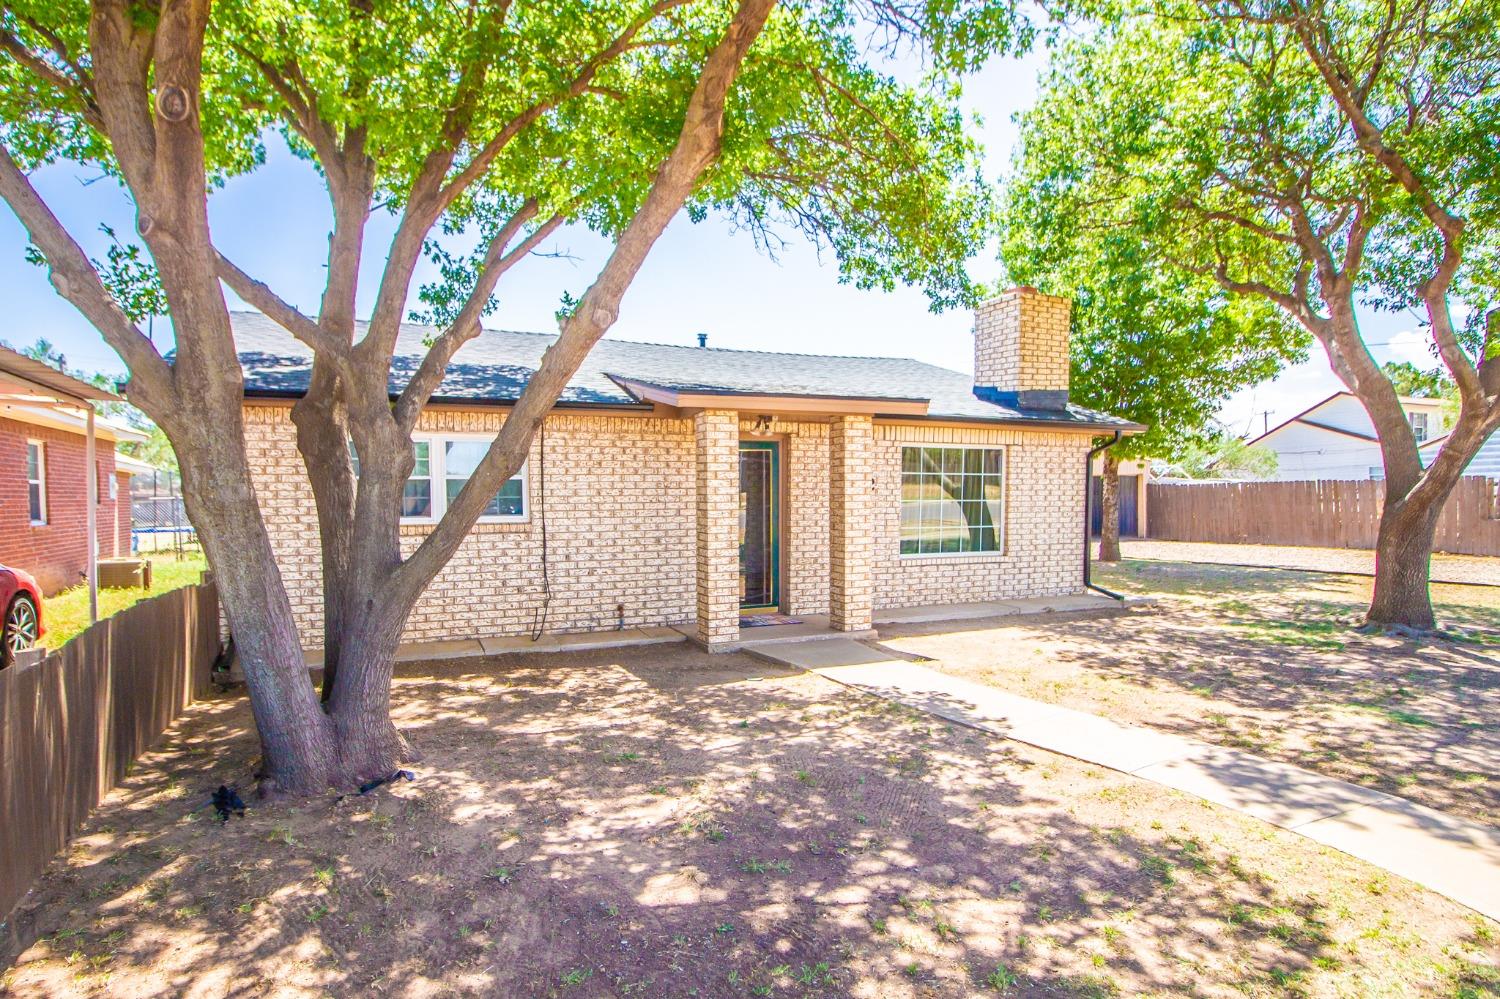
431,196
122,59
80,89
698,145
1450,227
579,85
465,326
75,278
283,313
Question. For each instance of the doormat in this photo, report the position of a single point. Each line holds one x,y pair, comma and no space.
762,620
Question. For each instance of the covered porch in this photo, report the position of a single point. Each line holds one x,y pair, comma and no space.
739,552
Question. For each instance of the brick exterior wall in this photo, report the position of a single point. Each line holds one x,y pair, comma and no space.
1043,540
851,508
622,508
805,527
1021,342
618,503
717,474
56,553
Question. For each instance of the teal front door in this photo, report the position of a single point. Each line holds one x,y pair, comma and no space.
760,525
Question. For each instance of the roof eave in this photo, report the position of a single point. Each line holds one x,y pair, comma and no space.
765,402
475,402
22,374
1051,423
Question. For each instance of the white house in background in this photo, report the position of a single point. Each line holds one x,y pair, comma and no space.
1335,439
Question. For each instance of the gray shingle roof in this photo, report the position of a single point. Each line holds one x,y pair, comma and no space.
495,366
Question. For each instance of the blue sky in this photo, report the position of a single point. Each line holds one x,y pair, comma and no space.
699,278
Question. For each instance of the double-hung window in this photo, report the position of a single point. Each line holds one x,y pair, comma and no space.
416,496
36,482
461,458
441,468
952,500
1419,427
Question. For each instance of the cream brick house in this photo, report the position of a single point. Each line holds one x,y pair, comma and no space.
683,486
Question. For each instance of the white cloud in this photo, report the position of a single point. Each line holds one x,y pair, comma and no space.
1411,346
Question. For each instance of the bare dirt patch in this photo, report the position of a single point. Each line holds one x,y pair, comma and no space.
1479,570
658,822
1269,662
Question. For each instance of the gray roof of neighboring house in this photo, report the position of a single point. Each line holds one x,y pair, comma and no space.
495,366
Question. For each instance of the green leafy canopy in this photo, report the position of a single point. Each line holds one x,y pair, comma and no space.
821,140
1211,127
1151,341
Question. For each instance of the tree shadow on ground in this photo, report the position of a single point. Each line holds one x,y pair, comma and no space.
659,822
1266,661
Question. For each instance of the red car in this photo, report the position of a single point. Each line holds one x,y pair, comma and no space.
22,601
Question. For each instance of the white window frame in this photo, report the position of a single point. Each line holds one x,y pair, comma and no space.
437,471
40,481
1002,539
1423,432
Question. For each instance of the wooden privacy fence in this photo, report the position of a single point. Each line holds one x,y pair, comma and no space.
1329,513
71,724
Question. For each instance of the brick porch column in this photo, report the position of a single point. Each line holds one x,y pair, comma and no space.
851,456
717,434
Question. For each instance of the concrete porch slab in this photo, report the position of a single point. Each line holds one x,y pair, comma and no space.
1073,603
810,628
837,652
464,648
407,652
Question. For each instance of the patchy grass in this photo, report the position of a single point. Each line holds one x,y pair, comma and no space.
1272,662
531,858
66,613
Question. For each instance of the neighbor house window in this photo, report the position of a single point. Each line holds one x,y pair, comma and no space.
1418,425
442,465
952,500
36,481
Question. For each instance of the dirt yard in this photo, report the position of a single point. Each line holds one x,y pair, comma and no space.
657,822
1270,662
1476,569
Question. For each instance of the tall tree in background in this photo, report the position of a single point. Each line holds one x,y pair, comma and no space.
458,117
1219,454
1159,346
1319,155
1409,380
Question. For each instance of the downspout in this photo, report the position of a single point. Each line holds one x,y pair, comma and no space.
1088,518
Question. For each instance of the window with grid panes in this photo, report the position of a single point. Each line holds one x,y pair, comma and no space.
952,500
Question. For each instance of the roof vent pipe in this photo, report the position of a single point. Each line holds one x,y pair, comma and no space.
703,339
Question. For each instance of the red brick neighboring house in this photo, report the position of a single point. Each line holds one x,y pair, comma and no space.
43,480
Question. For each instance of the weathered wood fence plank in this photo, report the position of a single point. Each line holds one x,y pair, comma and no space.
72,723
1325,514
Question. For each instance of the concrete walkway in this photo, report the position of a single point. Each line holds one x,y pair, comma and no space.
1451,856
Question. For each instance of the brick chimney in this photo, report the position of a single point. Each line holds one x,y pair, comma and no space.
1021,350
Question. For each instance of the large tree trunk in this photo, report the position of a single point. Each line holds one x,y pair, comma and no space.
1109,509
297,740
147,76
323,440
1414,496
1403,557
1408,520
